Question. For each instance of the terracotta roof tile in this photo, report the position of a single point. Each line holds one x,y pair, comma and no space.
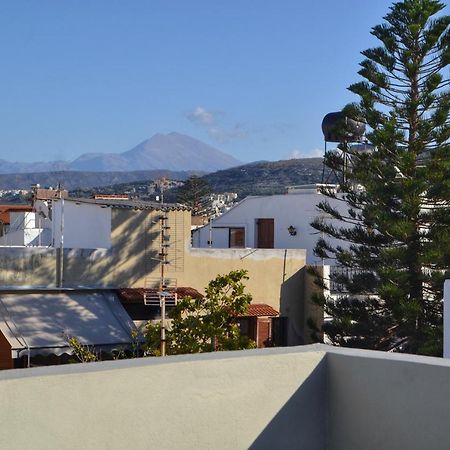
136,295
5,210
260,309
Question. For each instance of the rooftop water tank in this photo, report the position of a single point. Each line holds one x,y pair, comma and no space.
337,127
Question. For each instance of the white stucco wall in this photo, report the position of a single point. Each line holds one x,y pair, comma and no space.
221,401
298,210
311,397
27,229
85,226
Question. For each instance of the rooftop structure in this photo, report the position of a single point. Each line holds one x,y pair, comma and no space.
271,221
41,322
116,244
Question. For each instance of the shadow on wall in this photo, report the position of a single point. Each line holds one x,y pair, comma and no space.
22,266
291,306
301,422
296,303
132,256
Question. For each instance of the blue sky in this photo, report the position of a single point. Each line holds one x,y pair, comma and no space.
252,78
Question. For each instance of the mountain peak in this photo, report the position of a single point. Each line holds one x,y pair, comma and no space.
176,151
173,151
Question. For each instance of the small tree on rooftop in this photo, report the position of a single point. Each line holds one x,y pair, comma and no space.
207,323
397,225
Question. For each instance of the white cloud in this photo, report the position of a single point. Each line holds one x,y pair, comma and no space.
297,154
201,116
212,122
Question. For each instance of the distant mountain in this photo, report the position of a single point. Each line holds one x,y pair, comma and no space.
173,151
258,178
266,177
40,166
262,177
87,180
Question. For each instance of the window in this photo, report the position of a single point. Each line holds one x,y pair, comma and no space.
237,237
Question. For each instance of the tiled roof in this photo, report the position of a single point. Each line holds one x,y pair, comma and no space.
14,207
136,295
132,204
260,309
6,209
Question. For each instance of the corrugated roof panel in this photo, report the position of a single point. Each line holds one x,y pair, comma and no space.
44,320
132,204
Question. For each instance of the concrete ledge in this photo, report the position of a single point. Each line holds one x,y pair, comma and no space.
310,397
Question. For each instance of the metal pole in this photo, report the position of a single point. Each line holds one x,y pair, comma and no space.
210,234
61,244
162,299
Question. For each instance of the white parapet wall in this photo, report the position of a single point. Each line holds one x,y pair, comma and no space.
447,319
312,397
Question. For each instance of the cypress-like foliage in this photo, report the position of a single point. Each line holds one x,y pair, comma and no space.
398,224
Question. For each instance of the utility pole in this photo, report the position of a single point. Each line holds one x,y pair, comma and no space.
61,242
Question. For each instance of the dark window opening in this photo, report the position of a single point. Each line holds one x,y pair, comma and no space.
237,237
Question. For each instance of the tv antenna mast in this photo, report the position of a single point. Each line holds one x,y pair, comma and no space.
162,291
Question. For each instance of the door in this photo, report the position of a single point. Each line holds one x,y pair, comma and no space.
264,233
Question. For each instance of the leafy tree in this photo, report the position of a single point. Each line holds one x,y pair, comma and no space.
84,353
193,193
206,324
397,226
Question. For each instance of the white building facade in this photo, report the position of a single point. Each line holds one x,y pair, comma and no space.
275,221
61,222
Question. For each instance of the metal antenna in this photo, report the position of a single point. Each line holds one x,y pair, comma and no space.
166,294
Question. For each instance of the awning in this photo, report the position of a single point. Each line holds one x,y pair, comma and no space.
42,321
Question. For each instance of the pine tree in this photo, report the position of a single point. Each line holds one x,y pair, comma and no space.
193,194
397,226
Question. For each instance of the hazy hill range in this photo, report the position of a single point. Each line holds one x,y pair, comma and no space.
173,151
86,180
266,177
258,178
